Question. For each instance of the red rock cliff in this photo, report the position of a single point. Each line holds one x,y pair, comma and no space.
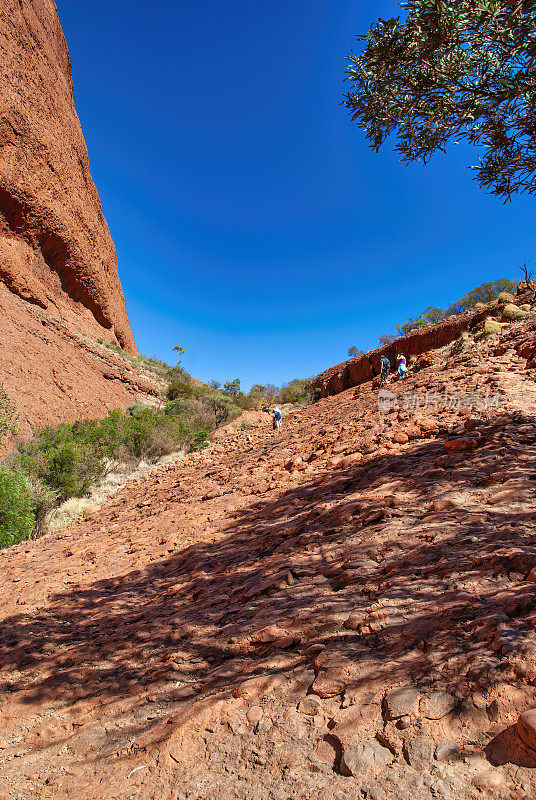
55,247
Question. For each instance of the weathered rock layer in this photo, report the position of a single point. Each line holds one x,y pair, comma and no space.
55,247
365,367
340,609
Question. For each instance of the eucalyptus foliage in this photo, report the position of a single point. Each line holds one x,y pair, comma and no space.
453,70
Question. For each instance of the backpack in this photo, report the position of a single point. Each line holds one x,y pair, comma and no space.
277,414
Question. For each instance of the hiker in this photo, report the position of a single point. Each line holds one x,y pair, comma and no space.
276,418
386,368
402,368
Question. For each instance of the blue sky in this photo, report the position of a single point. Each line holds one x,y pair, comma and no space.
253,225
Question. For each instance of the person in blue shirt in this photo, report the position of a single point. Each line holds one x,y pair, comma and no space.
276,413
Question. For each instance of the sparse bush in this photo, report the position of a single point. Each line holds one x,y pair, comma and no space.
69,459
432,315
296,391
411,324
62,460
17,514
8,414
114,346
136,408
221,406
232,387
43,501
386,339
484,293
179,389
153,364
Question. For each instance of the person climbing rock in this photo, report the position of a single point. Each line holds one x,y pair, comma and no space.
402,367
385,368
276,415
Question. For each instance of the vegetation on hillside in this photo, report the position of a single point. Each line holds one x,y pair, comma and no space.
65,461
445,72
485,293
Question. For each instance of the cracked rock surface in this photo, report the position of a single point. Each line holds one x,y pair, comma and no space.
331,610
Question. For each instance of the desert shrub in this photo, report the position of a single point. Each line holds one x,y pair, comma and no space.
62,460
484,293
410,325
114,346
43,500
179,389
154,365
296,391
178,373
69,459
220,406
16,508
136,408
246,402
158,434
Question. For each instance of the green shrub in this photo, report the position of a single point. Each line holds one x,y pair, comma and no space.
136,408
296,391
69,459
17,515
62,460
114,346
179,389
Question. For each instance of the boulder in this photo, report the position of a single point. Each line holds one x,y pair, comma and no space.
363,757
437,705
418,752
446,750
460,443
399,702
526,727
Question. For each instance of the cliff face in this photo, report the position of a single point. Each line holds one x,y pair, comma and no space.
55,247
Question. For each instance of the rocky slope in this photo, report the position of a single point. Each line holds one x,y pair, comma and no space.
55,374
340,609
421,340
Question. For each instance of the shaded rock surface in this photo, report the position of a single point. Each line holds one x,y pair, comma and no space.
230,627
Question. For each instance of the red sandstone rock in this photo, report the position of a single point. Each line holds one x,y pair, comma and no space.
526,727
55,247
139,639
